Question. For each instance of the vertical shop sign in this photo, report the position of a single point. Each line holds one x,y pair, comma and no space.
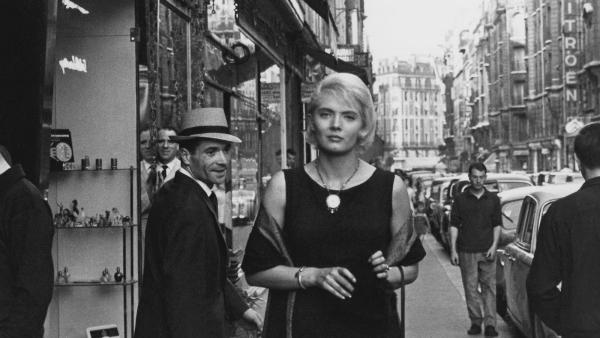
570,49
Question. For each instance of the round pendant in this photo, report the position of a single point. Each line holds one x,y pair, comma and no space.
333,202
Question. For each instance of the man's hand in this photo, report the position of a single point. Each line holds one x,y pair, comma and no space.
454,257
491,253
253,317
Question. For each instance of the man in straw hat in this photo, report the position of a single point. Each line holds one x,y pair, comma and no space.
185,291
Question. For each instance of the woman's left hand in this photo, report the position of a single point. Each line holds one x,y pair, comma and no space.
379,266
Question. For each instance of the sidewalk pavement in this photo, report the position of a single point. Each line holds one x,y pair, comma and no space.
435,302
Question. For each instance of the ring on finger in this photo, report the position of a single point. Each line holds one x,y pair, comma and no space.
386,267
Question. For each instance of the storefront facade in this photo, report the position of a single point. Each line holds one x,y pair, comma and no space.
114,68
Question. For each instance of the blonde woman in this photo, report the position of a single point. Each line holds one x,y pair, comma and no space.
331,238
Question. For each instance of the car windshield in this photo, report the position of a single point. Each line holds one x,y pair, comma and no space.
491,186
510,214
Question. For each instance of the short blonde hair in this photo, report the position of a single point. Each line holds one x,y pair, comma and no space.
351,89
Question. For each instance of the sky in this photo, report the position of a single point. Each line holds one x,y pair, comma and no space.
404,27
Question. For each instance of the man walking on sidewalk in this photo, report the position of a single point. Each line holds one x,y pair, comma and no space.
474,233
568,251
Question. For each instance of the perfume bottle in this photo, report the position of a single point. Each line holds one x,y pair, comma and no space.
66,274
119,275
105,276
60,279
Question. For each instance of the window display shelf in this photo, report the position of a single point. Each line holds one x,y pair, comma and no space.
116,186
90,170
90,227
95,283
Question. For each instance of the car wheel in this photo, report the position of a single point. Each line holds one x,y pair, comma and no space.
540,330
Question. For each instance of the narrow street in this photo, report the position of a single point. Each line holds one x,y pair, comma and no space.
435,303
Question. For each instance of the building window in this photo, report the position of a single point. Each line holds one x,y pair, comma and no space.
518,62
518,93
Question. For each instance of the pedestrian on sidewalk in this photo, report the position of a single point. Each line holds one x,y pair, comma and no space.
26,268
568,251
332,237
474,233
185,291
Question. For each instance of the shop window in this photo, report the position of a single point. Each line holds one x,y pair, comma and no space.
271,111
244,162
173,65
92,70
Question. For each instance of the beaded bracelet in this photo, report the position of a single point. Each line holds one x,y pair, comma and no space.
298,276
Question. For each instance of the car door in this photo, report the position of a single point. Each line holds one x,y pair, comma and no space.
517,261
538,328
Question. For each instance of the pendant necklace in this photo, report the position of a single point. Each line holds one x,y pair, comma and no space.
333,200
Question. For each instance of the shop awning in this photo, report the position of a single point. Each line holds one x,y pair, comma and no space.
336,64
321,7
231,74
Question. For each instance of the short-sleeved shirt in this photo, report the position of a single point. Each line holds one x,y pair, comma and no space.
475,219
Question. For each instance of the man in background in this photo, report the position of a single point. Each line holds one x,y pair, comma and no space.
568,251
147,170
168,162
26,268
290,160
148,179
474,234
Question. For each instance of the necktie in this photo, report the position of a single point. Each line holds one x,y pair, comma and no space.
151,174
164,171
151,181
213,200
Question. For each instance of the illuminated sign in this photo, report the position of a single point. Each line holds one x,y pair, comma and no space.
570,59
76,64
71,5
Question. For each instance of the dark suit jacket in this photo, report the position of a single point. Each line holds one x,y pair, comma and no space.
185,292
568,251
26,269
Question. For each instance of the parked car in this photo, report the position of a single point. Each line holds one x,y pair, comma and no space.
494,183
515,259
436,203
510,206
556,177
564,177
539,178
422,182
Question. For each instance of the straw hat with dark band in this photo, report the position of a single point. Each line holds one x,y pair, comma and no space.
209,123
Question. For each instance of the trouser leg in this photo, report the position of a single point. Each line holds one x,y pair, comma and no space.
469,272
487,281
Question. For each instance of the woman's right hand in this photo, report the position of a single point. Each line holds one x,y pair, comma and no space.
336,280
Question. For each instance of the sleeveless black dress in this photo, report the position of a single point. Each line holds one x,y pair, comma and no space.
347,238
